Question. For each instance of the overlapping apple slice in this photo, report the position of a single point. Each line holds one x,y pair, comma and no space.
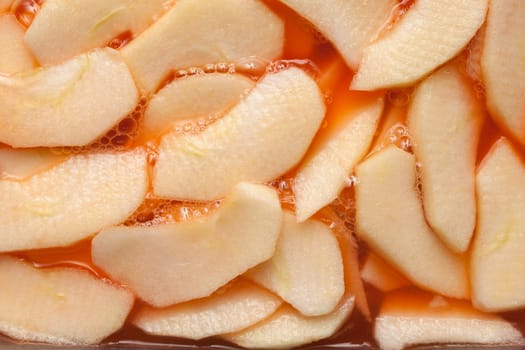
240,306
19,164
195,33
306,269
411,317
161,262
59,305
381,275
261,138
66,105
390,218
505,81
15,56
428,35
444,120
71,201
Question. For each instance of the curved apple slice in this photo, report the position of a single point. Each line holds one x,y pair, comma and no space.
19,164
287,328
71,201
67,105
428,35
202,253
15,56
390,218
381,275
195,33
240,306
505,81
261,138
59,305
82,26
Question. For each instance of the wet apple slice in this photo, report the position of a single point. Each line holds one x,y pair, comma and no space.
195,33
241,305
349,24
201,95
411,317
381,275
444,120
19,164
261,138
428,35
71,201
505,81
390,218
82,26
287,328
66,105
15,56
59,305
306,269
160,262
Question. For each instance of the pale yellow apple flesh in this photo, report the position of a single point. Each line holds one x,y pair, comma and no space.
261,138
15,56
20,164
381,275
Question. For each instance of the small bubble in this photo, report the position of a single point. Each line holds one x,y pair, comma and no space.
222,67
194,71
181,73
121,141
209,68
187,127
127,125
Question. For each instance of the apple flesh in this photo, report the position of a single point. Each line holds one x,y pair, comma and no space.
15,56
20,164
381,275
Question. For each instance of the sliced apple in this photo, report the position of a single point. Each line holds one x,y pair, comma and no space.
287,328
390,218
445,120
19,164
381,275
71,201
428,35
306,269
160,262
242,305
505,81
195,33
15,56
200,95
497,257
59,305
411,317
82,26
349,25
67,105
261,138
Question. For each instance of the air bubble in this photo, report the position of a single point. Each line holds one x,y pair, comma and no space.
26,10
399,98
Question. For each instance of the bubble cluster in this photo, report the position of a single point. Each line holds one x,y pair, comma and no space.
398,135
284,187
120,40
344,204
26,10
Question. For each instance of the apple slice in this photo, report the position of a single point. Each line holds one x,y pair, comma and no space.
59,305
325,170
15,56
497,264
390,218
306,269
260,139
241,305
381,275
82,26
71,201
287,328
445,120
349,24
19,164
203,253
411,317
505,82
428,35
201,95
67,105
195,33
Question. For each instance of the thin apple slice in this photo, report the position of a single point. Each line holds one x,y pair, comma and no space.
349,24
445,120
287,328
201,95
240,306
497,264
195,33
15,56
428,35
411,317
19,164
390,218
71,201
67,105
306,269
59,305
381,275
83,26
505,81
261,138
204,253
